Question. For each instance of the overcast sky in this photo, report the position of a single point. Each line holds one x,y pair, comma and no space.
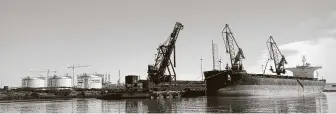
123,35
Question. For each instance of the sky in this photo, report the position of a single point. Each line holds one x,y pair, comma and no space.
112,35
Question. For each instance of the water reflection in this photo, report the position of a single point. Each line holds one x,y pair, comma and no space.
82,105
26,107
315,103
159,105
131,106
55,106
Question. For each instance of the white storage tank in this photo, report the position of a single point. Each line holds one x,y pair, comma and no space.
33,82
89,82
60,82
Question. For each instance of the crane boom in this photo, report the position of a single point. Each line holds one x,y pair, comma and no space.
156,72
235,52
47,76
73,72
276,56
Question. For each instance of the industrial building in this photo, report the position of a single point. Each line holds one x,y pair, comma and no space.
86,81
33,82
60,82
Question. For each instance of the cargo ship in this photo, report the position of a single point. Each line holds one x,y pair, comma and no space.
235,81
231,83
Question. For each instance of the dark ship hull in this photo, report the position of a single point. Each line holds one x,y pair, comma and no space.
229,83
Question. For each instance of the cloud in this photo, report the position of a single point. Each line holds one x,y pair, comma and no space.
333,31
318,52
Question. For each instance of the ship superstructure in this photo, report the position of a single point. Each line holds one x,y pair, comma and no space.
304,70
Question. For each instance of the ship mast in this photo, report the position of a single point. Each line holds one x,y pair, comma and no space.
303,60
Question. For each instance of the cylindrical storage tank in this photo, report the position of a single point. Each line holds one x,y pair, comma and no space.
25,82
90,82
60,82
35,82
63,82
131,79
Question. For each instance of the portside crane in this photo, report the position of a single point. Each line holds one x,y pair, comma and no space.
46,71
47,76
276,56
232,48
73,71
156,72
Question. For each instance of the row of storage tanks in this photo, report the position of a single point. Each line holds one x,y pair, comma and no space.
83,81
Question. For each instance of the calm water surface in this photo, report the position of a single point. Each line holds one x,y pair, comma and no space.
324,102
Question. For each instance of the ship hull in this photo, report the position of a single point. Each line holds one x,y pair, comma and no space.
227,83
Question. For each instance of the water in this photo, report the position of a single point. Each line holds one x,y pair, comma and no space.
324,102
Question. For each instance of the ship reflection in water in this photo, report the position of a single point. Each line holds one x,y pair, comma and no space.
305,104
315,103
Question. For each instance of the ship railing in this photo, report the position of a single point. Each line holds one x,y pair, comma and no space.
283,77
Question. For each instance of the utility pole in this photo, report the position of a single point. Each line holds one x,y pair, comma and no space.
213,56
0,82
202,68
119,77
73,72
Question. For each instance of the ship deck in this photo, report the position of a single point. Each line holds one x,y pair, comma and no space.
261,75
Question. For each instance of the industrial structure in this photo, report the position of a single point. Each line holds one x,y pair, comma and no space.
132,83
33,82
47,71
234,80
216,61
276,56
60,82
163,63
304,70
92,81
74,78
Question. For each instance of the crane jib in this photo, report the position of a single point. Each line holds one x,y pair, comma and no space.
156,72
231,45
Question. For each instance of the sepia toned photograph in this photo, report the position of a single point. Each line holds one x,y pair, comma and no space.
167,56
